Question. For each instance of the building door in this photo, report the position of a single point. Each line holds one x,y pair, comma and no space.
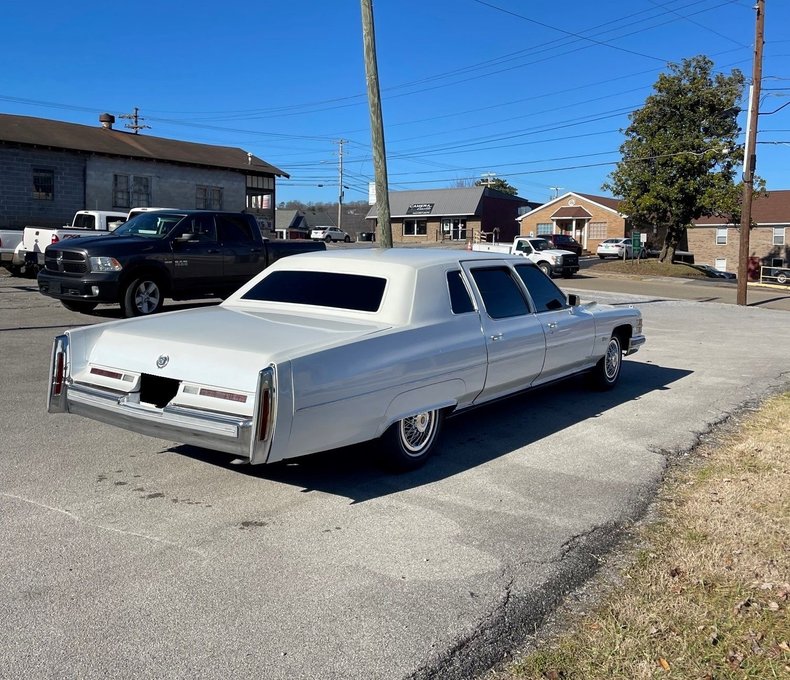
454,228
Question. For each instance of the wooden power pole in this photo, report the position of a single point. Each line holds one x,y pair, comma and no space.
384,236
750,156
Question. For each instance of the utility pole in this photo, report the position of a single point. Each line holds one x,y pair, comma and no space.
384,235
487,178
340,143
750,153
136,118
556,191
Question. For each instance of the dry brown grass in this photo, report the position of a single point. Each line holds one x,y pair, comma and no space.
649,267
706,593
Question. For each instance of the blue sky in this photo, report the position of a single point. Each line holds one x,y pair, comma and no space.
534,92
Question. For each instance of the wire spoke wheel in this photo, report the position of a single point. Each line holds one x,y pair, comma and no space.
612,359
418,431
408,442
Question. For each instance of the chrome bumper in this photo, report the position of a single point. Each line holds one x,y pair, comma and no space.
636,342
187,426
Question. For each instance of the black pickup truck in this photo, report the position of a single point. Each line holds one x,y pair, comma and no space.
178,254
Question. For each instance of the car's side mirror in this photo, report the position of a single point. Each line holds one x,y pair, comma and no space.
574,300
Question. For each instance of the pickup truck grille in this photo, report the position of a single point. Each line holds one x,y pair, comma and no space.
571,260
67,262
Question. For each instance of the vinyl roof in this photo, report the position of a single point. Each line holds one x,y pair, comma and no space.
55,134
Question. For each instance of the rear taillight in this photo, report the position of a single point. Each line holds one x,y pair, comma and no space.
264,413
266,405
55,239
58,373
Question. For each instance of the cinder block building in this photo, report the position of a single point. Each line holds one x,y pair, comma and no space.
51,169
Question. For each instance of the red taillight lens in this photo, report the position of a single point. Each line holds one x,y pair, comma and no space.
55,239
58,374
263,415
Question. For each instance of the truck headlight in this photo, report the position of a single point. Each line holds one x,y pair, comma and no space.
104,264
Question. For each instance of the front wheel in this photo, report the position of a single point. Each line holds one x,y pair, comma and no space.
328,239
408,442
603,257
545,268
347,239
78,306
142,296
607,370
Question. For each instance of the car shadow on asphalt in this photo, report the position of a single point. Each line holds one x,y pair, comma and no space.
469,439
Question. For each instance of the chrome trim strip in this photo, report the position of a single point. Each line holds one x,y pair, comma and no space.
636,342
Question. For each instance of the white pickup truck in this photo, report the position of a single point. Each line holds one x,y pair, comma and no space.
550,260
85,223
10,251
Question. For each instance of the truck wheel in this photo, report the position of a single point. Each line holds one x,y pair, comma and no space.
78,306
607,370
142,296
545,268
408,442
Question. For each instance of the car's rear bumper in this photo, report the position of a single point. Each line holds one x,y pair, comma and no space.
231,434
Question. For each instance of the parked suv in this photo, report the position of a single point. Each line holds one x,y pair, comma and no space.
329,234
563,242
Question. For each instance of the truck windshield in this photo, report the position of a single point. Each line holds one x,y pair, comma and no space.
150,225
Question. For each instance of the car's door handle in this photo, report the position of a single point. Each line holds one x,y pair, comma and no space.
496,337
213,251
255,250
552,325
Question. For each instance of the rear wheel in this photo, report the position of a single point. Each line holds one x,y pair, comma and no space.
142,296
409,442
603,257
607,370
78,306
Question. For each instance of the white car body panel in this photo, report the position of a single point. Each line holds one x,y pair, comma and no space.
323,377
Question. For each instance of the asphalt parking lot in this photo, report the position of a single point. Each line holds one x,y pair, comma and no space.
126,556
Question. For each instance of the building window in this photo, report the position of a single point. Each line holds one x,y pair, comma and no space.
779,236
597,231
454,229
259,201
415,227
120,191
258,182
131,191
208,198
544,228
721,264
43,184
141,192
721,236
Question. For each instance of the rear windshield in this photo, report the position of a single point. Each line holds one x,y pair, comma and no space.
320,289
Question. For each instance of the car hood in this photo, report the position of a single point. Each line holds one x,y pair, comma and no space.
109,244
556,251
215,345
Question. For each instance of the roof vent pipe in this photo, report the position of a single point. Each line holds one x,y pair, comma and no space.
107,120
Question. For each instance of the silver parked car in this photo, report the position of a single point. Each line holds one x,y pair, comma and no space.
324,350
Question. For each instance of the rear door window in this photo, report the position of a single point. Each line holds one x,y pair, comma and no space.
233,229
501,294
460,302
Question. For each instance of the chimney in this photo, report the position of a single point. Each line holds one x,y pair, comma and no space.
106,120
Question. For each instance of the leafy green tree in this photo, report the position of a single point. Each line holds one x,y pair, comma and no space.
680,153
498,184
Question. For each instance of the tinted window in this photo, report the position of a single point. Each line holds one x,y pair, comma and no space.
150,224
199,227
233,228
544,293
84,222
501,295
321,289
460,302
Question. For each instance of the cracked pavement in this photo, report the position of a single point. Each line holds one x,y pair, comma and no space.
126,556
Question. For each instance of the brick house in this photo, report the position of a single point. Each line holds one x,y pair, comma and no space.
589,219
51,169
441,215
717,243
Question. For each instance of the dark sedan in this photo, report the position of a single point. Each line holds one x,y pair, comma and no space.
563,242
